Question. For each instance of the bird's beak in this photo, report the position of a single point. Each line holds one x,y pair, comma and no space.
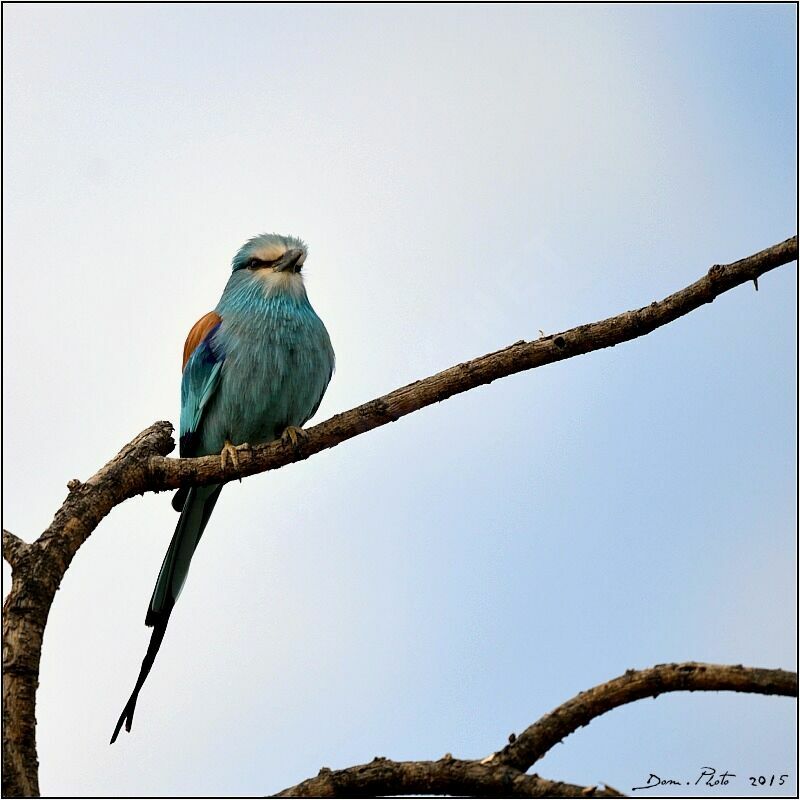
290,261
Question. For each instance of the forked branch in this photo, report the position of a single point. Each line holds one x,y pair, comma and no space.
503,774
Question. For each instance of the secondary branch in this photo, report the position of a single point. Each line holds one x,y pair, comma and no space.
503,774
634,685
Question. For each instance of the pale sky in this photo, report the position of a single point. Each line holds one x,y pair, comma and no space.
465,176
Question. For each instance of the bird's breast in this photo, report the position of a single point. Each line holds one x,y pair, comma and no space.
277,364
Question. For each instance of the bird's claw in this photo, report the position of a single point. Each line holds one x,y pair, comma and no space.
231,451
292,435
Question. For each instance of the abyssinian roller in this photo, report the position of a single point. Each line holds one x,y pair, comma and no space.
254,370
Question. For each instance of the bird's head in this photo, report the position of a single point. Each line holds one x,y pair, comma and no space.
274,259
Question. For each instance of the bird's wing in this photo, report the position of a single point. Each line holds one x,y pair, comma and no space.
199,331
202,363
321,395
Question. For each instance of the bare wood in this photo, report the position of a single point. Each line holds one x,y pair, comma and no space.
448,776
13,547
141,466
504,773
634,685
38,569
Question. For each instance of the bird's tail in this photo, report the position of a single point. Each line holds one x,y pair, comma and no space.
195,513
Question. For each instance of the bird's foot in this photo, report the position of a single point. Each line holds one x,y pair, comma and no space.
293,434
231,451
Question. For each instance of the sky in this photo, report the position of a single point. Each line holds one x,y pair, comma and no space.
465,176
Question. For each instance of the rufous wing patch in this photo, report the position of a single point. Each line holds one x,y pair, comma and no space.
199,332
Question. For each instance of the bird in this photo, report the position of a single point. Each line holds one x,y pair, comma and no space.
255,370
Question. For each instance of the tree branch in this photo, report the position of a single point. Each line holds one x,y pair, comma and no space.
503,774
448,776
634,685
13,547
141,466
38,571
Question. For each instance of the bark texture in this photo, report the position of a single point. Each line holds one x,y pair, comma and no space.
447,776
142,466
37,571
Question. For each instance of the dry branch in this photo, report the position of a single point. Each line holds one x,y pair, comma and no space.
504,773
448,776
634,685
13,547
141,466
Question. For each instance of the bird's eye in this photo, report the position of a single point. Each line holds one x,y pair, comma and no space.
253,263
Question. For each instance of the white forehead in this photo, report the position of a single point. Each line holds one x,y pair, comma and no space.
271,251
267,247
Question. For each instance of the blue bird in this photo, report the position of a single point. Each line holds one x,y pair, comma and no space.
254,370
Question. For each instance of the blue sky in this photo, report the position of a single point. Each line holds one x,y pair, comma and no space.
466,176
